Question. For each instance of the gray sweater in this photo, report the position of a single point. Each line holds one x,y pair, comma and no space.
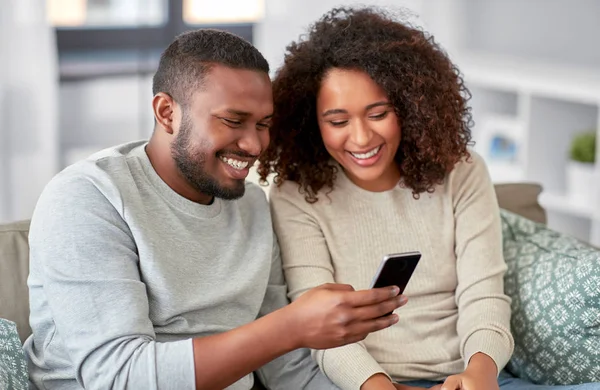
125,272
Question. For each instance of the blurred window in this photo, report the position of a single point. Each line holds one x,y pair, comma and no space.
135,13
224,11
107,13
125,36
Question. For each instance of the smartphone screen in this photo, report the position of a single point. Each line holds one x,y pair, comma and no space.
396,270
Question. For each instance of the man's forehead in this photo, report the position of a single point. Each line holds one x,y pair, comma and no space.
241,90
224,76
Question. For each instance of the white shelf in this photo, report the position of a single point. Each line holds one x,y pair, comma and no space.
562,203
573,83
530,91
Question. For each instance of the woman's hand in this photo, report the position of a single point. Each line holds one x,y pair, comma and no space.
404,387
481,373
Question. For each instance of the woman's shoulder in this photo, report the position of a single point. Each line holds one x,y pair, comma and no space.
290,194
471,171
287,192
473,164
286,189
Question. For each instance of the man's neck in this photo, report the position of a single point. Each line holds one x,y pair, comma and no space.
164,165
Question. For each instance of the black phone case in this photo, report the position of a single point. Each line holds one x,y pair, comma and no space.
397,270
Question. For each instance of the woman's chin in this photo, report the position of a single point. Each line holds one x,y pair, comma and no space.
366,178
373,178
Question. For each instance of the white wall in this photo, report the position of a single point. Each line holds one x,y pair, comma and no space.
100,113
29,106
563,31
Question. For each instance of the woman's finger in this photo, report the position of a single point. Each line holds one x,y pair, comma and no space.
451,383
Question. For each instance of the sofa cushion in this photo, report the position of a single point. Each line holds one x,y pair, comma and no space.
13,367
14,269
554,283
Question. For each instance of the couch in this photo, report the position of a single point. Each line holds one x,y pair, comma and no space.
521,199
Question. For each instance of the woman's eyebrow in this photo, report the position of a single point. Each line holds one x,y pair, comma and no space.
334,111
378,104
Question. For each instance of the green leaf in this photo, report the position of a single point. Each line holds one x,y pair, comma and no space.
583,147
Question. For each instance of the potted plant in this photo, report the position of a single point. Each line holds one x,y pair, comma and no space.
580,169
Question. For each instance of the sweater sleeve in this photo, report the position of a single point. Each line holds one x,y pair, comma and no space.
307,264
296,369
91,279
484,309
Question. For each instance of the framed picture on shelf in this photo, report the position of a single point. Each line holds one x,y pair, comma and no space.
500,142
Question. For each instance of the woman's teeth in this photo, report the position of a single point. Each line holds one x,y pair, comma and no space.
364,156
236,164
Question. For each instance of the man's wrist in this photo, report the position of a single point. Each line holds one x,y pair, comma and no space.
285,326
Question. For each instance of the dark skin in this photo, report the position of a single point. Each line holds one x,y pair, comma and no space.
220,121
229,119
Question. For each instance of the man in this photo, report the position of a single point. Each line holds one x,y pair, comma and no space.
154,265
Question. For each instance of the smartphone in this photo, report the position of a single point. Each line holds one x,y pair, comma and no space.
396,270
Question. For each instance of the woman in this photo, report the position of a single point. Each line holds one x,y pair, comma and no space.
369,151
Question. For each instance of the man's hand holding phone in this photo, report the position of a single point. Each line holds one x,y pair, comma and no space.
333,315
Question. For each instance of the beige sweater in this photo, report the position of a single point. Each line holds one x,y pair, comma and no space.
457,305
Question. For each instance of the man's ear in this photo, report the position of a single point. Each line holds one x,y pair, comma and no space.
164,108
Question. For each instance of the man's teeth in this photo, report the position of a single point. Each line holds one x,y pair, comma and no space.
236,164
364,156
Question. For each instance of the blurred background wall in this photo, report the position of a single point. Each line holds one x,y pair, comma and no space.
75,77
29,101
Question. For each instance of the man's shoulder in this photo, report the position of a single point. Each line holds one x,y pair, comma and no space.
102,173
114,160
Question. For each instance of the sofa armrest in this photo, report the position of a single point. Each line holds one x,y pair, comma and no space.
521,199
14,270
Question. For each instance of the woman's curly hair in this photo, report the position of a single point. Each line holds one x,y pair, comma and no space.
423,85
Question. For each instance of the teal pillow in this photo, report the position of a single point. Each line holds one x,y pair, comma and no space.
13,368
554,283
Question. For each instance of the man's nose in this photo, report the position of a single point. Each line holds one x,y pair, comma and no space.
250,142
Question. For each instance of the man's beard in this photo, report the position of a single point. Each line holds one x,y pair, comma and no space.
191,164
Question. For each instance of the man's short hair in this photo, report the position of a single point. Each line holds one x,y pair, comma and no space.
185,63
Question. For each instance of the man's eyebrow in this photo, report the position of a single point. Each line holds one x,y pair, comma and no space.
245,114
334,111
238,112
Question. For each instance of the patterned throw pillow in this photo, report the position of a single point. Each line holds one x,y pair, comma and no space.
554,283
13,368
